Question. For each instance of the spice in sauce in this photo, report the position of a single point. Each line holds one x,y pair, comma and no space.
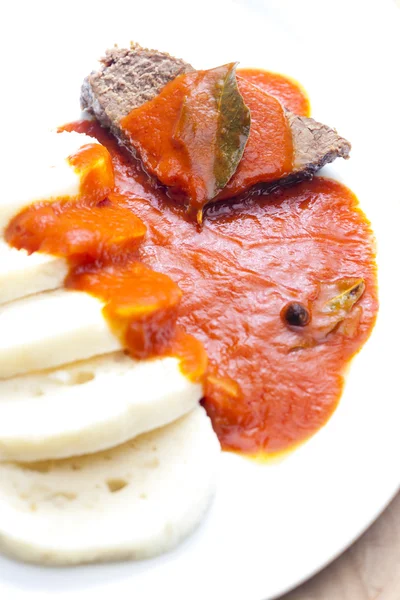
296,314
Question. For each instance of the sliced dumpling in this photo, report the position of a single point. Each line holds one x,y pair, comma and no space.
134,501
22,274
51,329
91,405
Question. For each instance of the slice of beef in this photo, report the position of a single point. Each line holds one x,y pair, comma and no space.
314,145
130,77
127,79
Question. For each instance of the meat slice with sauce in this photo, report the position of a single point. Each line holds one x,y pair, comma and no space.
130,77
127,79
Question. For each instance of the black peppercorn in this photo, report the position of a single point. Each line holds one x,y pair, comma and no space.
295,314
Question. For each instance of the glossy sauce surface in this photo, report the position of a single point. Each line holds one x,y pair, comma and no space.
268,154
268,386
286,90
151,128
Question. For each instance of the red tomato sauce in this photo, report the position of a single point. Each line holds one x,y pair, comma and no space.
286,90
268,386
151,129
268,154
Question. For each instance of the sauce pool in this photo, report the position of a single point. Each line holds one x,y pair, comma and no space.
264,391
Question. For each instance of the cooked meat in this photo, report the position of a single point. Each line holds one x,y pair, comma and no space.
127,79
130,77
314,144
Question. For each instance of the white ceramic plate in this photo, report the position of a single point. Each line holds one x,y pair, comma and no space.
270,526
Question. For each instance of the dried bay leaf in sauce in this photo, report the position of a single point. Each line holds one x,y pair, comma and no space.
193,134
349,292
268,155
213,128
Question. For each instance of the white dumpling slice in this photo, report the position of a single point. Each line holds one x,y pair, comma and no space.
91,405
51,329
22,274
134,501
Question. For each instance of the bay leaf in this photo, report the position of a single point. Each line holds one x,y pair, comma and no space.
192,135
350,291
213,127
